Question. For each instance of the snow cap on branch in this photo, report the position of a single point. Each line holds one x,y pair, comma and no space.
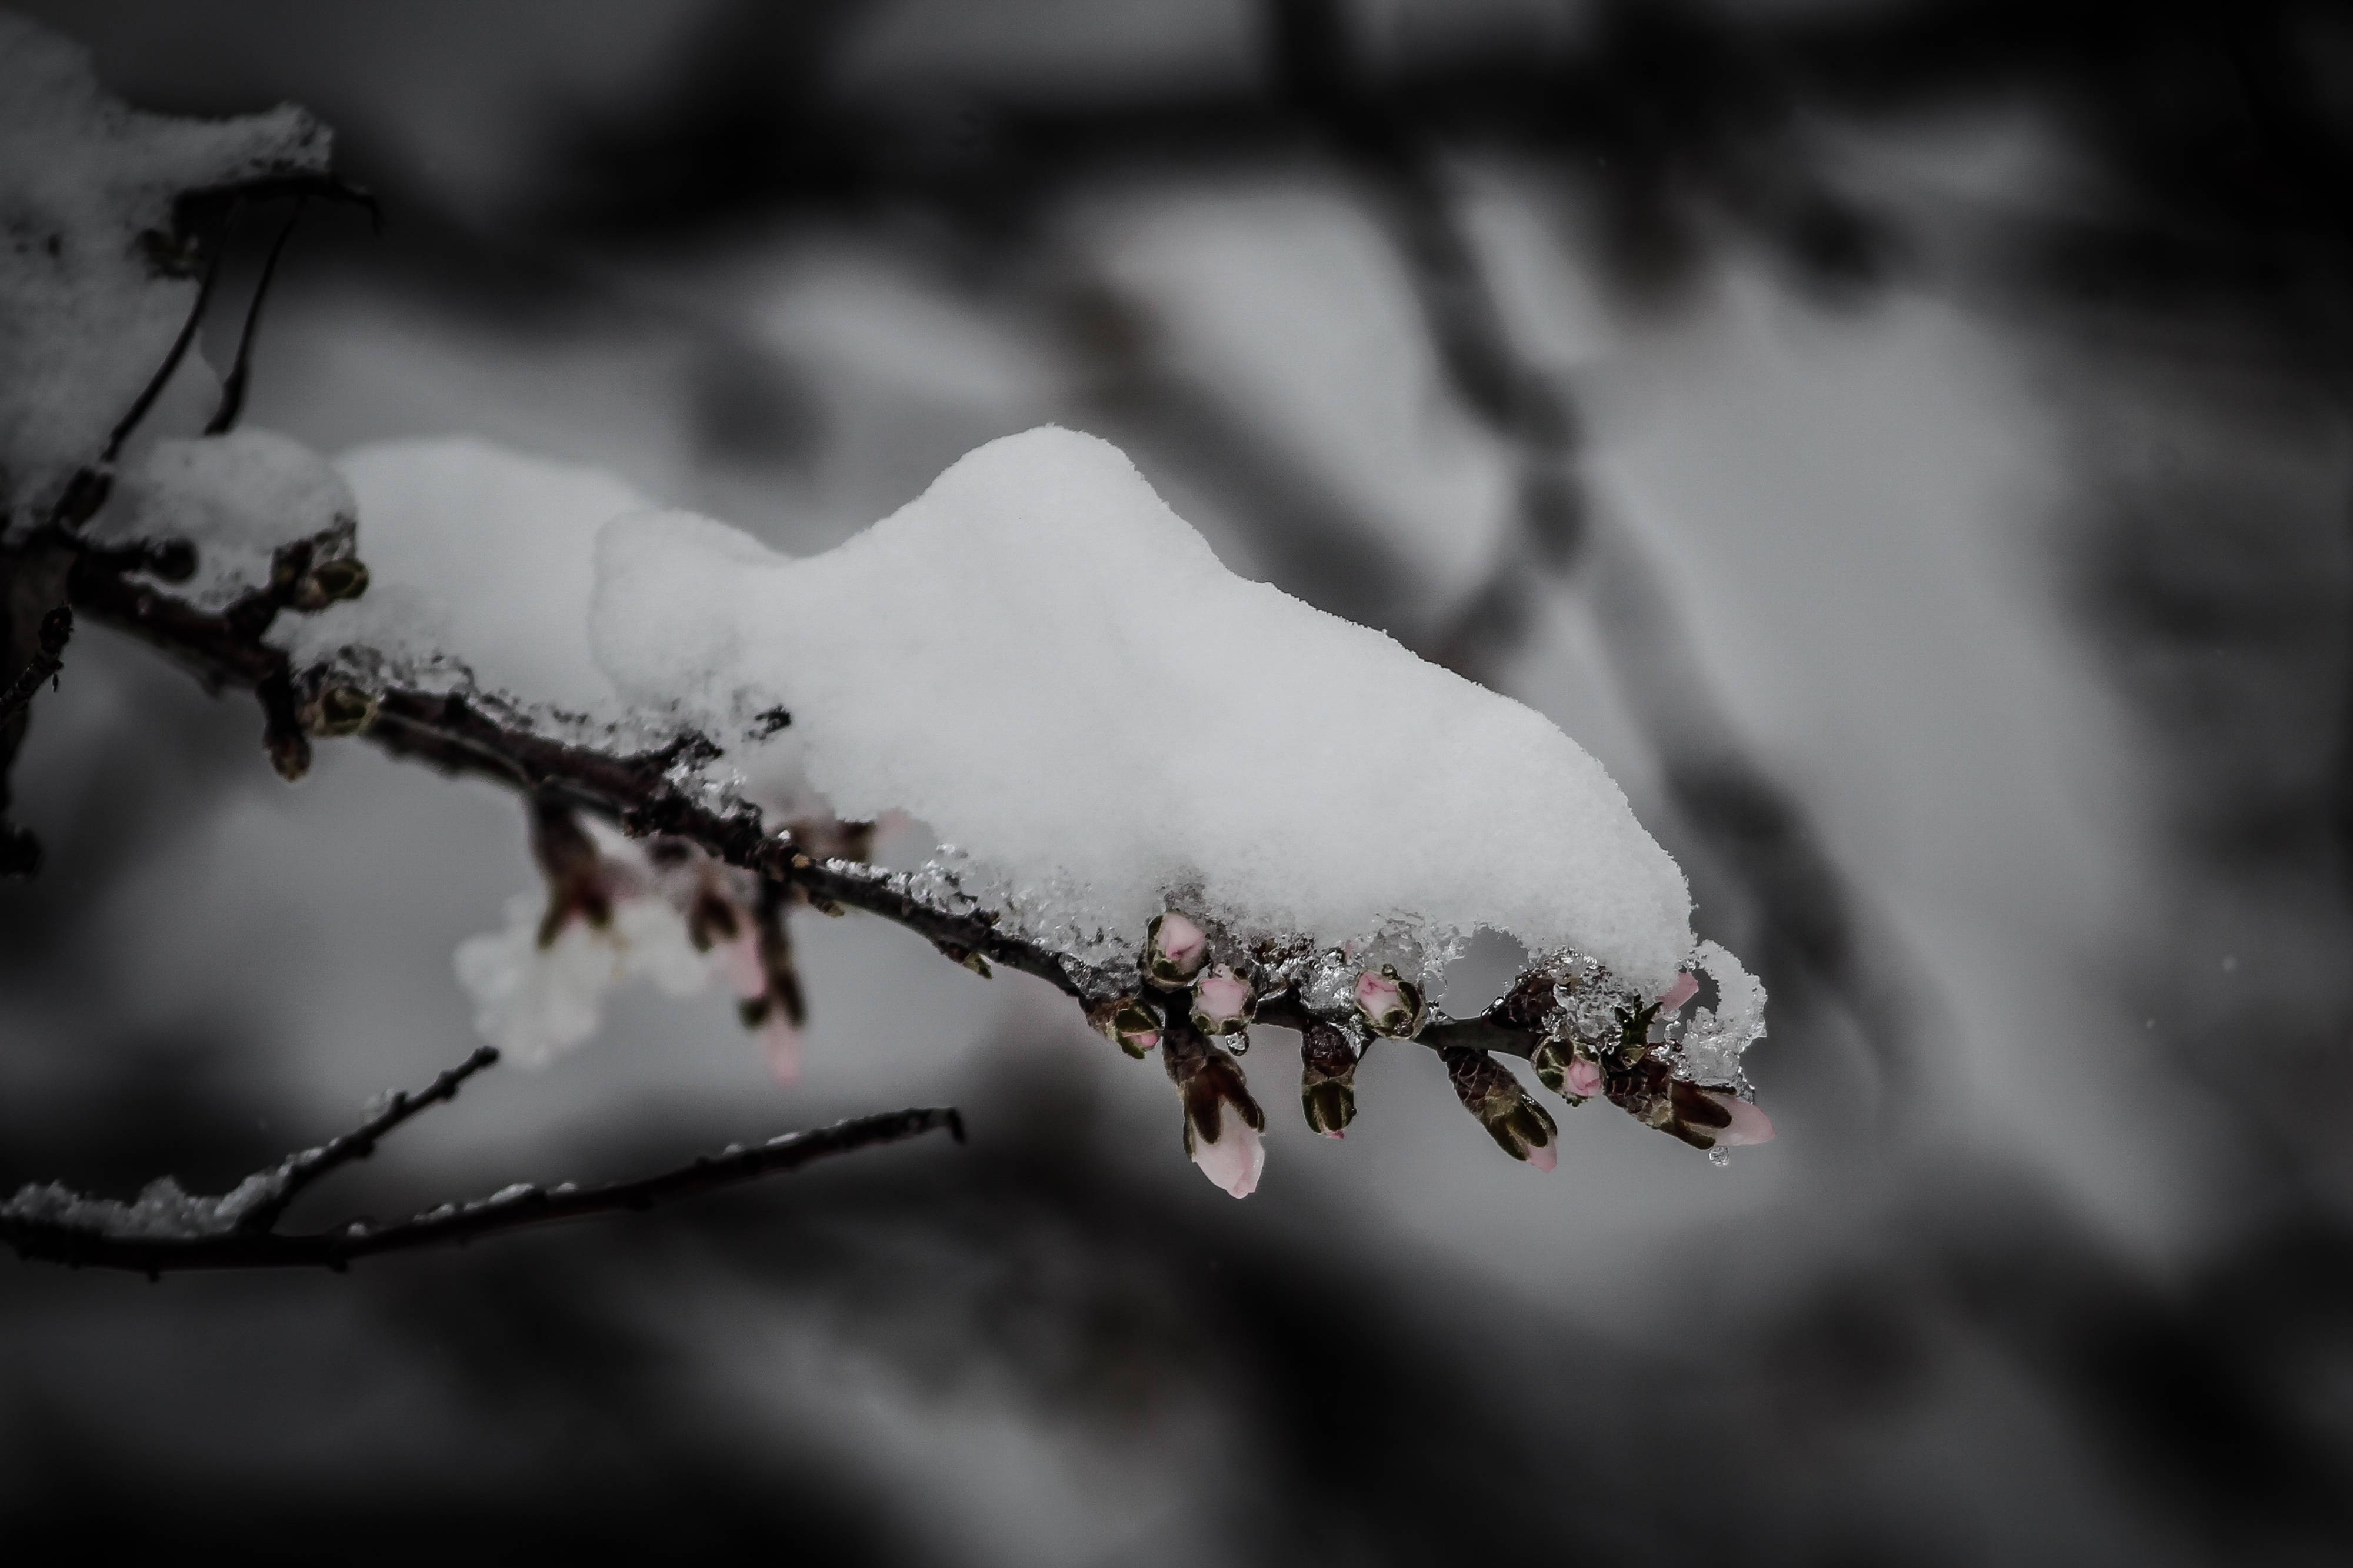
236,498
481,563
1016,658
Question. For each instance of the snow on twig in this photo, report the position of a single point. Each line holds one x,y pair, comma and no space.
166,1230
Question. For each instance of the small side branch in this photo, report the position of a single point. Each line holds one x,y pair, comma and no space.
232,394
301,1170
169,1231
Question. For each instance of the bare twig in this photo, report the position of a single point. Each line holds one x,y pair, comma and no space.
232,394
53,1224
301,1170
170,364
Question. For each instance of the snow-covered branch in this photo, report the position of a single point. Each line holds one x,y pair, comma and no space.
166,1230
1185,800
1609,1029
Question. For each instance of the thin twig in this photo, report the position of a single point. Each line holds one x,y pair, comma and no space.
171,362
301,1170
232,398
62,1227
57,630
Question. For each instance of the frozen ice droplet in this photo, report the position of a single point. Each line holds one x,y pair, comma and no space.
1719,1158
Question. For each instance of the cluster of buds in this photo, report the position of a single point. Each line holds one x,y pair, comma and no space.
1518,1124
308,575
1222,1122
1591,1031
739,922
1594,1039
582,884
1208,1003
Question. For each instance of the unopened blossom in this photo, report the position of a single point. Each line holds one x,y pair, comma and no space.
583,882
1711,1118
1517,1123
1128,1022
1391,1006
780,1045
780,1011
739,922
1235,1160
1327,1079
1748,1124
1222,1002
738,962
1222,1122
1175,950
1583,1077
1672,1000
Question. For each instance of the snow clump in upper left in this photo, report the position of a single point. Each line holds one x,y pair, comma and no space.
96,276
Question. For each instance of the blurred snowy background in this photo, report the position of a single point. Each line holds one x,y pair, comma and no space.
1907,442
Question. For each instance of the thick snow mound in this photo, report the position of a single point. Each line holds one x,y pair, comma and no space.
1046,664
481,562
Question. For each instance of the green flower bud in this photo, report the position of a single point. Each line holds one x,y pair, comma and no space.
1517,1123
1327,1078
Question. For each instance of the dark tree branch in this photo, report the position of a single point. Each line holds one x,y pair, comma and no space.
57,630
50,1224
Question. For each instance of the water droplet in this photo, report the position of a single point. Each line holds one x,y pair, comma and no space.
1239,1044
1719,1158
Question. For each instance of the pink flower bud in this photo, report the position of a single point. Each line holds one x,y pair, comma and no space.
1222,1002
1235,1160
1222,1122
780,1043
1672,1000
1128,1022
1583,1077
739,961
1391,1006
1750,1125
1175,950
